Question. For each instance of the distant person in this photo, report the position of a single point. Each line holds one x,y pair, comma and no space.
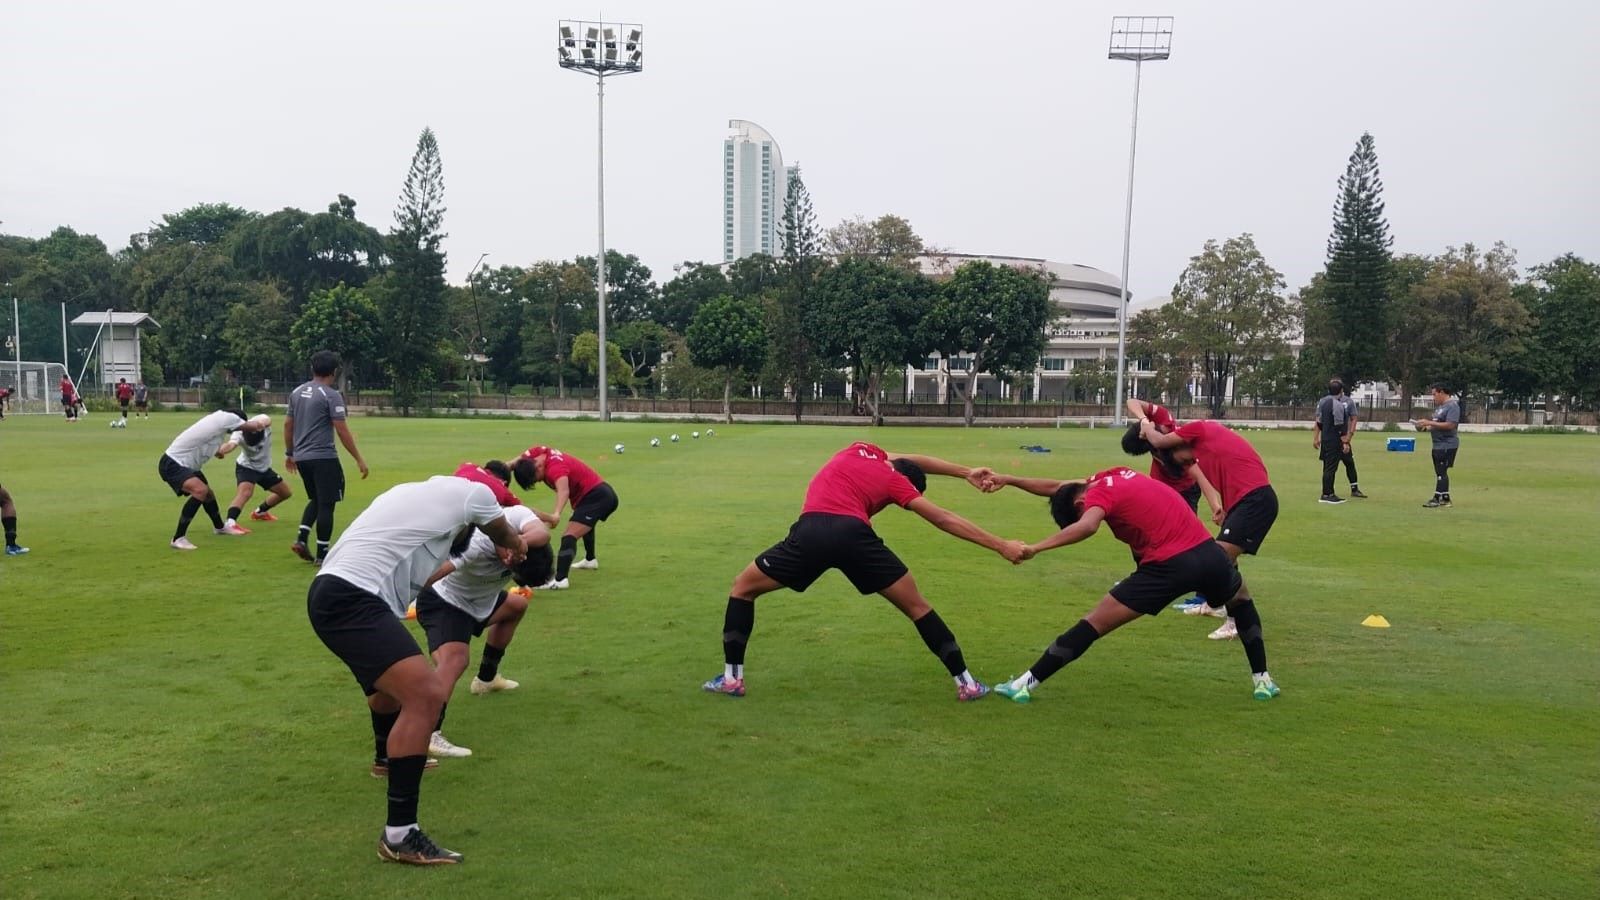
141,399
69,399
593,501
356,604
1331,440
124,397
8,517
180,469
316,414
1443,427
834,531
253,467
5,400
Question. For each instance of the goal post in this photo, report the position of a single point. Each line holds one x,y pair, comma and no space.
35,387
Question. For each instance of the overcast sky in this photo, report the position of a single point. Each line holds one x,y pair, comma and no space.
994,128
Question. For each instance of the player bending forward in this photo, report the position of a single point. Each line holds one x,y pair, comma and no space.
356,604
593,501
180,468
464,597
254,467
1174,553
835,532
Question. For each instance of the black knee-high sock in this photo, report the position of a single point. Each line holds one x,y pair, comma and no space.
233,512
10,523
190,507
306,519
439,725
942,642
569,549
737,623
381,725
1248,621
405,786
489,663
214,512
588,544
1069,646
324,528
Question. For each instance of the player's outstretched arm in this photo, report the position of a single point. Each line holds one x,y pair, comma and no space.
563,493
933,465
1044,487
1208,491
342,428
954,524
1148,430
1086,526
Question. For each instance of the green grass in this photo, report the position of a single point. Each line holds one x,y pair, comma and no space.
174,729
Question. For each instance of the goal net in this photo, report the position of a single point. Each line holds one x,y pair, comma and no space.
35,387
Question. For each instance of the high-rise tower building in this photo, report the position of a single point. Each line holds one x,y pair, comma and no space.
754,185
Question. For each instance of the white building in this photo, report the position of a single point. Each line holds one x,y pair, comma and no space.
754,186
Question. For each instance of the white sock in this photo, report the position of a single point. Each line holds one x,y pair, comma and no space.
229,523
733,673
394,834
965,678
1025,681
1260,677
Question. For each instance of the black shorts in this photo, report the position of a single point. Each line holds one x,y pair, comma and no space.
323,478
175,474
1191,496
142,404
597,505
1445,459
1203,569
124,404
1247,524
822,541
444,623
268,479
359,628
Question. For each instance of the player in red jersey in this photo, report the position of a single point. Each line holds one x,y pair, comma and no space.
1249,504
1174,552
593,501
835,532
124,397
495,475
1190,483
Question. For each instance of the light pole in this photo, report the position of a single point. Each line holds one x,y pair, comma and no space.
475,354
1140,39
594,48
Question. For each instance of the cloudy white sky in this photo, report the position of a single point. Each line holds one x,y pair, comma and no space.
996,128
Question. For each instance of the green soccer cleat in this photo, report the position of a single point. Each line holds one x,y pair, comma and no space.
1265,689
1010,691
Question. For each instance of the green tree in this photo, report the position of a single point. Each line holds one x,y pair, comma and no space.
997,314
1226,309
729,334
256,333
210,224
642,343
1411,325
693,284
792,359
560,300
630,293
189,289
586,356
342,319
305,252
411,295
889,238
868,312
1475,319
1562,353
1351,319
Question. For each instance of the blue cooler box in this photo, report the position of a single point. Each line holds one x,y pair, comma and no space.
1402,445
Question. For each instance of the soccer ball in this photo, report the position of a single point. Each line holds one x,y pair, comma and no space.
118,423
618,448
695,435
674,439
655,442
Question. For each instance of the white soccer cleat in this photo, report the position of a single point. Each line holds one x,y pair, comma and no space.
1200,609
499,683
439,745
1227,631
555,585
183,543
587,564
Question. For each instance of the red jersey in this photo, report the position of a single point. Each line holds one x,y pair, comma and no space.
858,482
502,494
124,391
1165,424
66,387
1148,517
1232,466
580,478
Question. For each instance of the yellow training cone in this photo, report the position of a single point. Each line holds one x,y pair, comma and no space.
411,611
1375,621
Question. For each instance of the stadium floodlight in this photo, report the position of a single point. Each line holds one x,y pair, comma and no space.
1139,39
598,56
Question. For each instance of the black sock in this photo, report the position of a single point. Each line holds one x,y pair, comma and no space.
569,549
588,544
306,519
489,663
322,549
1069,646
233,513
942,642
1248,620
737,623
381,724
405,784
439,725
190,507
214,512
262,509
10,523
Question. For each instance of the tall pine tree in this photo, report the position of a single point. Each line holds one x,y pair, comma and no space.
412,295
793,356
1354,290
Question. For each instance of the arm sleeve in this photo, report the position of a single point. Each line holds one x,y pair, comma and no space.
481,505
900,490
1452,413
335,405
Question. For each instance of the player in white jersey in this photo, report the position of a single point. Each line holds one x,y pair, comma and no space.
356,605
465,597
253,467
180,468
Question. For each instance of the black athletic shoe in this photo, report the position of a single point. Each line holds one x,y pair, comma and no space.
1331,498
1356,493
302,551
416,849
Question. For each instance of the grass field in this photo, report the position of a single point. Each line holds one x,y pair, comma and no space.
174,729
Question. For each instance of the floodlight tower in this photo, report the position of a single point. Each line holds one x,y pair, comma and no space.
594,48
1140,39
